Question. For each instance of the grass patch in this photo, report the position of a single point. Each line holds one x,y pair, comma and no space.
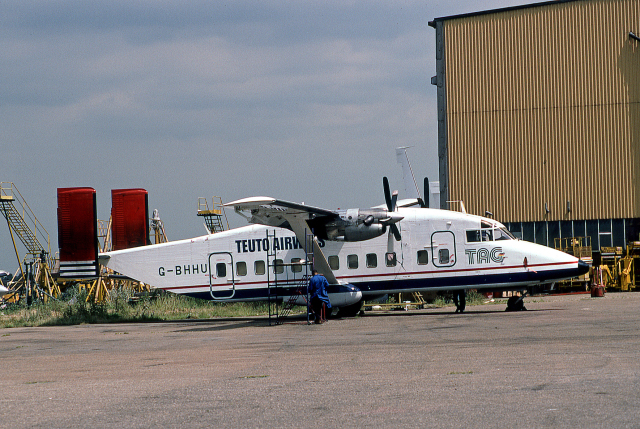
72,309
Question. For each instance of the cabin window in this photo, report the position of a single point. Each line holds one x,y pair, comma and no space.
278,266
372,260
259,268
334,262
391,259
443,256
221,269
352,262
423,257
296,265
241,269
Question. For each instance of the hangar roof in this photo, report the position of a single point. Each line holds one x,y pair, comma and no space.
504,9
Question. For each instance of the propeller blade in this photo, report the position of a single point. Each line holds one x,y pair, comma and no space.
396,232
390,242
425,202
393,217
387,193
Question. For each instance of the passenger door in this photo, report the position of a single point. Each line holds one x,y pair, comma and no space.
443,248
222,282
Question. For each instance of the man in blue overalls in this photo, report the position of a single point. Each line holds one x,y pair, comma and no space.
319,299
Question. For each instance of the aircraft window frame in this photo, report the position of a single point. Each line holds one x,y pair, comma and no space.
422,257
505,234
334,262
352,262
278,266
443,256
296,265
259,268
391,259
221,269
443,240
372,260
487,234
241,268
473,236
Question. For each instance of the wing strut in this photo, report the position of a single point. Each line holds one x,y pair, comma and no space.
300,227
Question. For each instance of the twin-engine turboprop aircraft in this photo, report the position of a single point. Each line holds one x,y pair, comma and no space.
363,253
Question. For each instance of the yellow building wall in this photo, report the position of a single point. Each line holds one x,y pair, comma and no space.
543,109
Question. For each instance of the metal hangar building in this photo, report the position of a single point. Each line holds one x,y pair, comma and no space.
539,118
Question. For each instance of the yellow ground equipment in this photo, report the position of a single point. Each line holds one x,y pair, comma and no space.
23,225
629,267
213,215
610,266
580,247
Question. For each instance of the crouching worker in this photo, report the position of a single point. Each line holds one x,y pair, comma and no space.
319,299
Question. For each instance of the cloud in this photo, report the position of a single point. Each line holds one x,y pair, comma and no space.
298,99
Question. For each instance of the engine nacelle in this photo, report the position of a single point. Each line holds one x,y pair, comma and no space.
357,225
363,232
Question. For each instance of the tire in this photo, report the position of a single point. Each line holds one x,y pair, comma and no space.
515,303
350,310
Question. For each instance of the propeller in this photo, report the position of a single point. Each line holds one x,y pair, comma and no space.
425,203
391,200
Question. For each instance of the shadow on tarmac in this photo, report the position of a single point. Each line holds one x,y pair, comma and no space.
212,325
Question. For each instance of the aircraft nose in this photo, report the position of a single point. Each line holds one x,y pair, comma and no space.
583,267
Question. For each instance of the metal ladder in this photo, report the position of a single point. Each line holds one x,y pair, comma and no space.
212,216
272,277
38,258
20,220
301,288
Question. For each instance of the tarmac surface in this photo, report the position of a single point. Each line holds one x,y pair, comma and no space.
569,361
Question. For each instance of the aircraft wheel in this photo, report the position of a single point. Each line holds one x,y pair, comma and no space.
350,310
515,303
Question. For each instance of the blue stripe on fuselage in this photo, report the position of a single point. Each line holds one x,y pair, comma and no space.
491,281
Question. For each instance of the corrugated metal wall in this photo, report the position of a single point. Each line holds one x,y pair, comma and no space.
543,109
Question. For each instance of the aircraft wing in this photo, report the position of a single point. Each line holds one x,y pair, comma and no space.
272,212
293,216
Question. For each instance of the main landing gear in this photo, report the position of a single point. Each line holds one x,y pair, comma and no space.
516,303
460,300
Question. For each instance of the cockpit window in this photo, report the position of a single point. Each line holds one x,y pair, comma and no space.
503,234
487,234
478,235
473,236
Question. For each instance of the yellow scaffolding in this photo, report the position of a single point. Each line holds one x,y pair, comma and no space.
213,215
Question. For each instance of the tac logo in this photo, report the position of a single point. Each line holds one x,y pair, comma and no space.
485,256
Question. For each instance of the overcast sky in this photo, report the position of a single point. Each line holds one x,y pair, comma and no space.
299,100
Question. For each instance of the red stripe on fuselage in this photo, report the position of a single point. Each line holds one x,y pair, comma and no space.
362,276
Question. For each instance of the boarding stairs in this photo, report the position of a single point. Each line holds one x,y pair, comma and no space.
301,291
279,309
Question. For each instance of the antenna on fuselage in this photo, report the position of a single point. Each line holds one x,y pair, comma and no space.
462,208
410,185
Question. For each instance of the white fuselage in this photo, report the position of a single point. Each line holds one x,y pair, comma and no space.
439,250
